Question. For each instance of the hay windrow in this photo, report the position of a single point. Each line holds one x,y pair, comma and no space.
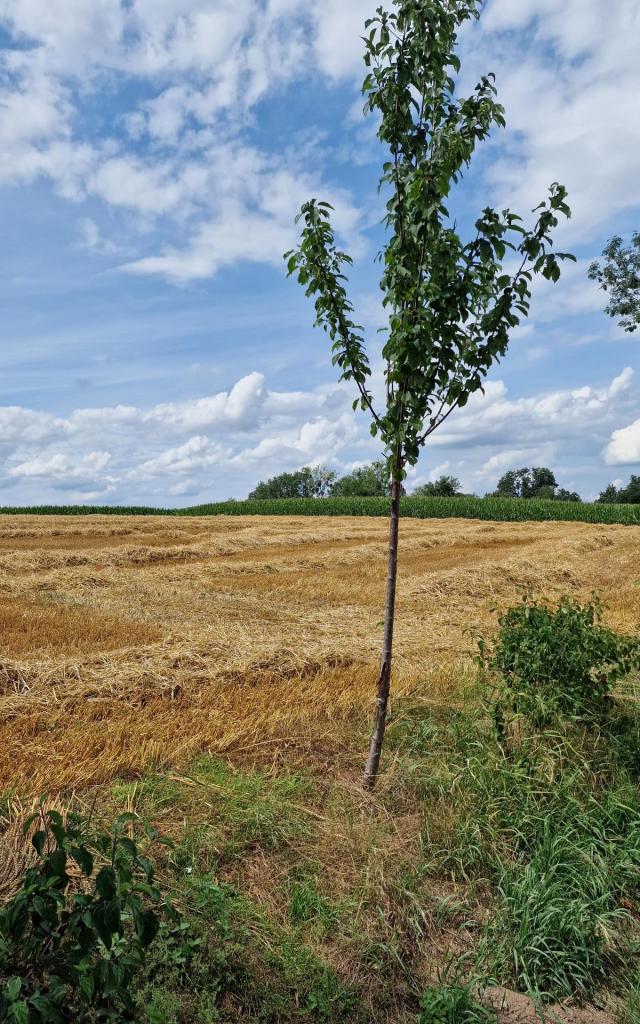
138,642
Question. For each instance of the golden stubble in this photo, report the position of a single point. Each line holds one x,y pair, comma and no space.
130,643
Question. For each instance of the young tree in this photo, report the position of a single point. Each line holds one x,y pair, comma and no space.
620,276
451,303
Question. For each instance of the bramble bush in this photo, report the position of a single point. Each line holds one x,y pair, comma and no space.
73,939
558,662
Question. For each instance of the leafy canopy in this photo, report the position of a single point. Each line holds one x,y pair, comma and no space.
539,482
308,482
629,495
443,487
451,302
365,482
619,275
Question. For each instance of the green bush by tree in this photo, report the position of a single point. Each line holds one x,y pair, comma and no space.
73,938
558,662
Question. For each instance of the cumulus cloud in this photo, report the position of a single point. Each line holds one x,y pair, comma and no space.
245,430
624,447
220,445
63,470
196,453
580,60
535,419
206,65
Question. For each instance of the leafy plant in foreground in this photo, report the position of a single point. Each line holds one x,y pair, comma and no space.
73,939
558,662
451,303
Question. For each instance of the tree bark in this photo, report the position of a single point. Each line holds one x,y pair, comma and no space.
384,679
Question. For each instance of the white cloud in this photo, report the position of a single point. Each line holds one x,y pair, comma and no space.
512,458
624,447
537,419
220,445
579,60
206,65
234,431
62,469
196,453
339,26
18,425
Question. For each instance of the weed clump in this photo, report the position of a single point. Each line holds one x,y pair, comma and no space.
532,798
453,1003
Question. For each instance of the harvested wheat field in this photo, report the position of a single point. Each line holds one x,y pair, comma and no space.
134,644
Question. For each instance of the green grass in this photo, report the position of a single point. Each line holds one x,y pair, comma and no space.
493,509
534,834
548,824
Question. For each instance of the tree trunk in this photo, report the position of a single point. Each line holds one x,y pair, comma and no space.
384,679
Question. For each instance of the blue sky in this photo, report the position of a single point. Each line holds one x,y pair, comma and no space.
154,154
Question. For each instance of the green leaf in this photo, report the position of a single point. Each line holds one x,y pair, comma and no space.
106,883
20,1013
83,859
147,925
13,988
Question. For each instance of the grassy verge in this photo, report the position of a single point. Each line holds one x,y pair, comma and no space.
492,509
509,860
482,859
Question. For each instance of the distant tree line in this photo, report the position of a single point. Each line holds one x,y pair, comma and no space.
539,482
373,481
629,495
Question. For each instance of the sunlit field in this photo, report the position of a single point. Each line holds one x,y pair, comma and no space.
137,643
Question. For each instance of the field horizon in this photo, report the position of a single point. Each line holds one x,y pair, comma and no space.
488,509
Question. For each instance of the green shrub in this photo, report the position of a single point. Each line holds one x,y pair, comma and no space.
558,662
73,939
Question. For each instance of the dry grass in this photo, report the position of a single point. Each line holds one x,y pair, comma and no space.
138,643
